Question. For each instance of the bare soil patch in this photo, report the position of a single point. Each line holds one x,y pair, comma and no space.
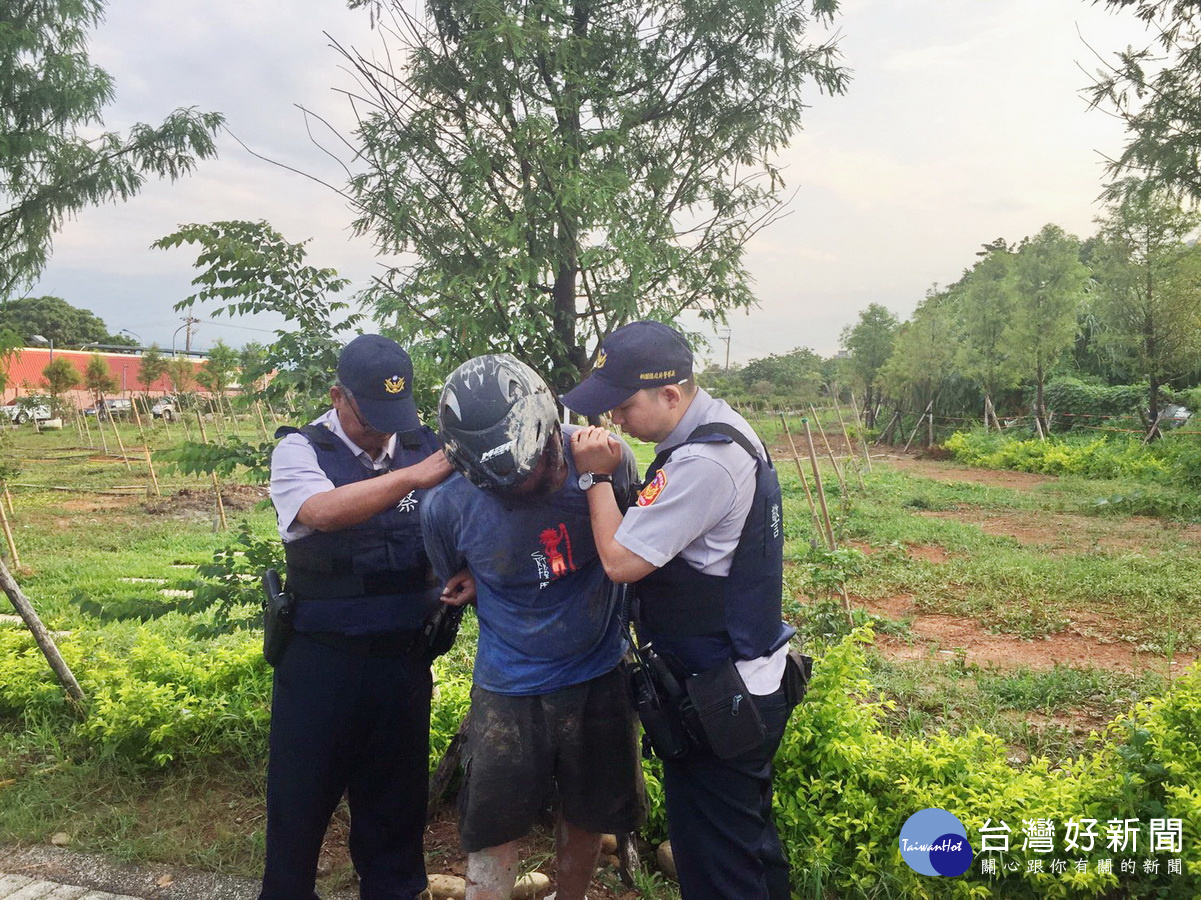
189,501
1068,533
940,470
1083,645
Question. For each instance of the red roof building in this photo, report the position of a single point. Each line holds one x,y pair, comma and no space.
25,374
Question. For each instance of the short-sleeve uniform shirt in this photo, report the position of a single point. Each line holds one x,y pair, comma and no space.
696,507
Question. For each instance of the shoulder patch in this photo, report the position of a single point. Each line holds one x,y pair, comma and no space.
654,488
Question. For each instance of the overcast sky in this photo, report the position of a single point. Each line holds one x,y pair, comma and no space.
964,122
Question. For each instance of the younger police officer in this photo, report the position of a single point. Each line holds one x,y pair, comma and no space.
704,542
351,703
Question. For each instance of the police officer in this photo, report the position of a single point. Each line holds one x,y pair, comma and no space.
549,712
704,542
351,703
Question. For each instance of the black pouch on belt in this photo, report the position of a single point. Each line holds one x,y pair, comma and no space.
724,711
797,672
278,608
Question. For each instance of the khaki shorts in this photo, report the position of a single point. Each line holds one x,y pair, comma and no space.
578,745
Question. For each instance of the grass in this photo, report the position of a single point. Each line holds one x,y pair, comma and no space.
102,547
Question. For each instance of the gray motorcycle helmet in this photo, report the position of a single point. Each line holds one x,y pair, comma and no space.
496,417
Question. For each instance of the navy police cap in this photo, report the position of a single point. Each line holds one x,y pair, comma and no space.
635,356
379,374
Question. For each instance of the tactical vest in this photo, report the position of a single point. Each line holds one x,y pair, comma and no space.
370,577
706,619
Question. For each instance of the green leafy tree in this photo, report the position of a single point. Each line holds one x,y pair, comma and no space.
1156,90
98,379
151,366
1149,292
10,352
870,343
54,159
60,377
923,352
986,300
53,318
182,374
219,372
1049,285
248,267
560,168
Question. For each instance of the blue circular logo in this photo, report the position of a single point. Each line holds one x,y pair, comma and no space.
934,842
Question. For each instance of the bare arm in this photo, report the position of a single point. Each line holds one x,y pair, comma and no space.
354,503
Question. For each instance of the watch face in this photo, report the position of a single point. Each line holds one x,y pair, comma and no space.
586,481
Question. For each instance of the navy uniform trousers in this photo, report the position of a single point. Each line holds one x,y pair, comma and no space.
346,718
719,818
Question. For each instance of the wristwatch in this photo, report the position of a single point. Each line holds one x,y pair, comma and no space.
588,479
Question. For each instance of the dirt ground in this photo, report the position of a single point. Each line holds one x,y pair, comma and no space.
1087,642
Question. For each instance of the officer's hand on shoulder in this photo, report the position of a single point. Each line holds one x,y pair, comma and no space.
432,470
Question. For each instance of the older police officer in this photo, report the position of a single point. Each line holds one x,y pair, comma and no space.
351,703
704,542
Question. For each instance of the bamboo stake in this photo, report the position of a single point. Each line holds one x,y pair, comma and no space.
921,418
8,498
886,435
87,425
867,457
796,457
146,446
8,534
850,449
116,431
258,406
930,428
842,485
817,481
26,611
78,427
216,481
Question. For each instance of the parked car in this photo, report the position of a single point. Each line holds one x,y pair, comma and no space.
1172,415
19,414
166,408
116,408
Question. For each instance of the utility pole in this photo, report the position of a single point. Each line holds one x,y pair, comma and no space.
726,338
189,322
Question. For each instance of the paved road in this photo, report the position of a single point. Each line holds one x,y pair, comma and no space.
18,887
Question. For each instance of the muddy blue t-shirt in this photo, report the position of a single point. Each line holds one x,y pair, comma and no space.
545,606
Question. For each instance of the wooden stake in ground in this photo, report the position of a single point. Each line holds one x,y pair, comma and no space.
112,418
867,457
796,457
216,482
8,497
88,428
921,418
842,485
817,483
850,449
146,447
8,532
258,406
26,611
886,435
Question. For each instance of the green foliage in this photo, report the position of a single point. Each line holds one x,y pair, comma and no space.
234,455
248,267
53,318
152,366
60,376
781,381
870,342
560,170
230,586
1175,459
98,379
1080,403
53,160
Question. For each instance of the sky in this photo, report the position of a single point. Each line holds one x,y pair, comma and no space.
964,121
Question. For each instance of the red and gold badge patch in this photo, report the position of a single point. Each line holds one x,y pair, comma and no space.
651,492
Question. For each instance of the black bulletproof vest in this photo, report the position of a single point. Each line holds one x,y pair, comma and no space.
706,619
382,558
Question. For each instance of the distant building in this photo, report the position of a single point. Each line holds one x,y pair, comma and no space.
25,374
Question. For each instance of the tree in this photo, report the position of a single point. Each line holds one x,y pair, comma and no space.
151,367
248,267
1049,283
923,351
99,380
53,318
60,377
181,373
1149,295
986,300
53,159
217,374
870,343
10,352
1156,91
562,167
